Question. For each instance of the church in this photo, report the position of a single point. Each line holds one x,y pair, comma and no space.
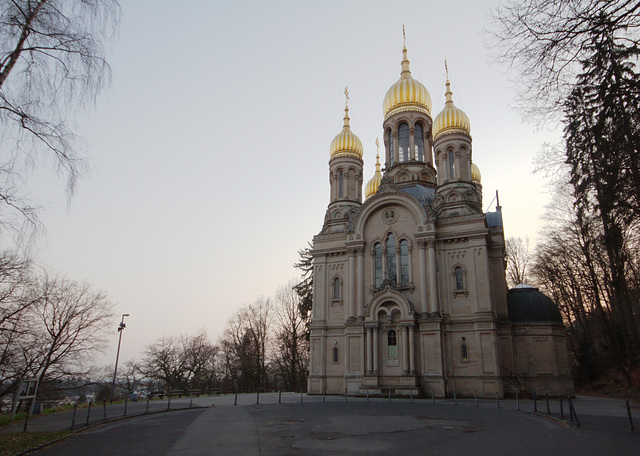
409,281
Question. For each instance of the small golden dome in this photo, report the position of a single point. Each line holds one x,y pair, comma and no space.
475,173
406,94
346,143
374,183
451,119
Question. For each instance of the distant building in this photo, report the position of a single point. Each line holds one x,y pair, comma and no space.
409,285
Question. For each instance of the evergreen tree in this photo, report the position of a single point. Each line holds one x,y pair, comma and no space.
603,151
305,287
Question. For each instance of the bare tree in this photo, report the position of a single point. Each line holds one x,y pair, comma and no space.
543,43
292,348
70,321
15,280
244,344
57,334
52,60
517,250
181,362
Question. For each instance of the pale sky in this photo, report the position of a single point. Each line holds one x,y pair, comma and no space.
209,152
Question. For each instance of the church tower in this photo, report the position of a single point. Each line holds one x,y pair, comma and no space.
407,130
345,176
458,193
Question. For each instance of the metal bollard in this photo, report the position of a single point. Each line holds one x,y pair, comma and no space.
345,394
301,396
169,401
548,409
561,407
324,393
389,394
191,400
411,394
497,399
88,413
433,397
518,400
26,417
126,399
146,410
235,401
279,396
475,397
257,396
455,399
73,417
572,413
631,426
367,394
535,402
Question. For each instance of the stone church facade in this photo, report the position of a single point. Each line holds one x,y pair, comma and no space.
409,281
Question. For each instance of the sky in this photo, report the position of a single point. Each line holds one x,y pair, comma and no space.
209,151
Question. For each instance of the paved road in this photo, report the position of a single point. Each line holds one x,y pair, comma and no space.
356,427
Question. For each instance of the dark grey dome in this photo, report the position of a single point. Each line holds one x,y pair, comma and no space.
526,303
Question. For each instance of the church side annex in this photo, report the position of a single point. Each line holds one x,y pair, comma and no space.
409,285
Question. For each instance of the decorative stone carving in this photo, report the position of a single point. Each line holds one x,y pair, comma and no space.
389,216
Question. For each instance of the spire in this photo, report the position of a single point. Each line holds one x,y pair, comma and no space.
378,153
406,72
346,107
448,94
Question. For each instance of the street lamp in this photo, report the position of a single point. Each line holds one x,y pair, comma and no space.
121,326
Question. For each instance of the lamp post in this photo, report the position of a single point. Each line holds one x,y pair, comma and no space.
121,326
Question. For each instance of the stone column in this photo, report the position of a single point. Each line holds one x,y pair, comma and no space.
422,260
369,350
376,350
320,290
433,279
412,367
351,297
412,145
360,279
410,260
405,350
396,149
398,265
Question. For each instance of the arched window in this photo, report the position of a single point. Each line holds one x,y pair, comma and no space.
335,354
337,289
391,259
377,264
403,142
404,263
459,278
390,141
341,184
451,165
418,140
392,343
464,352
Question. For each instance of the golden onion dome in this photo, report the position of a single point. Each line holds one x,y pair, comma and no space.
374,183
346,143
406,94
475,173
451,119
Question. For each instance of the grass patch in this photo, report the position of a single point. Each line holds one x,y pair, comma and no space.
6,419
16,443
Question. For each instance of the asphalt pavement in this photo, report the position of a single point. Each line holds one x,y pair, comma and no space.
291,424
